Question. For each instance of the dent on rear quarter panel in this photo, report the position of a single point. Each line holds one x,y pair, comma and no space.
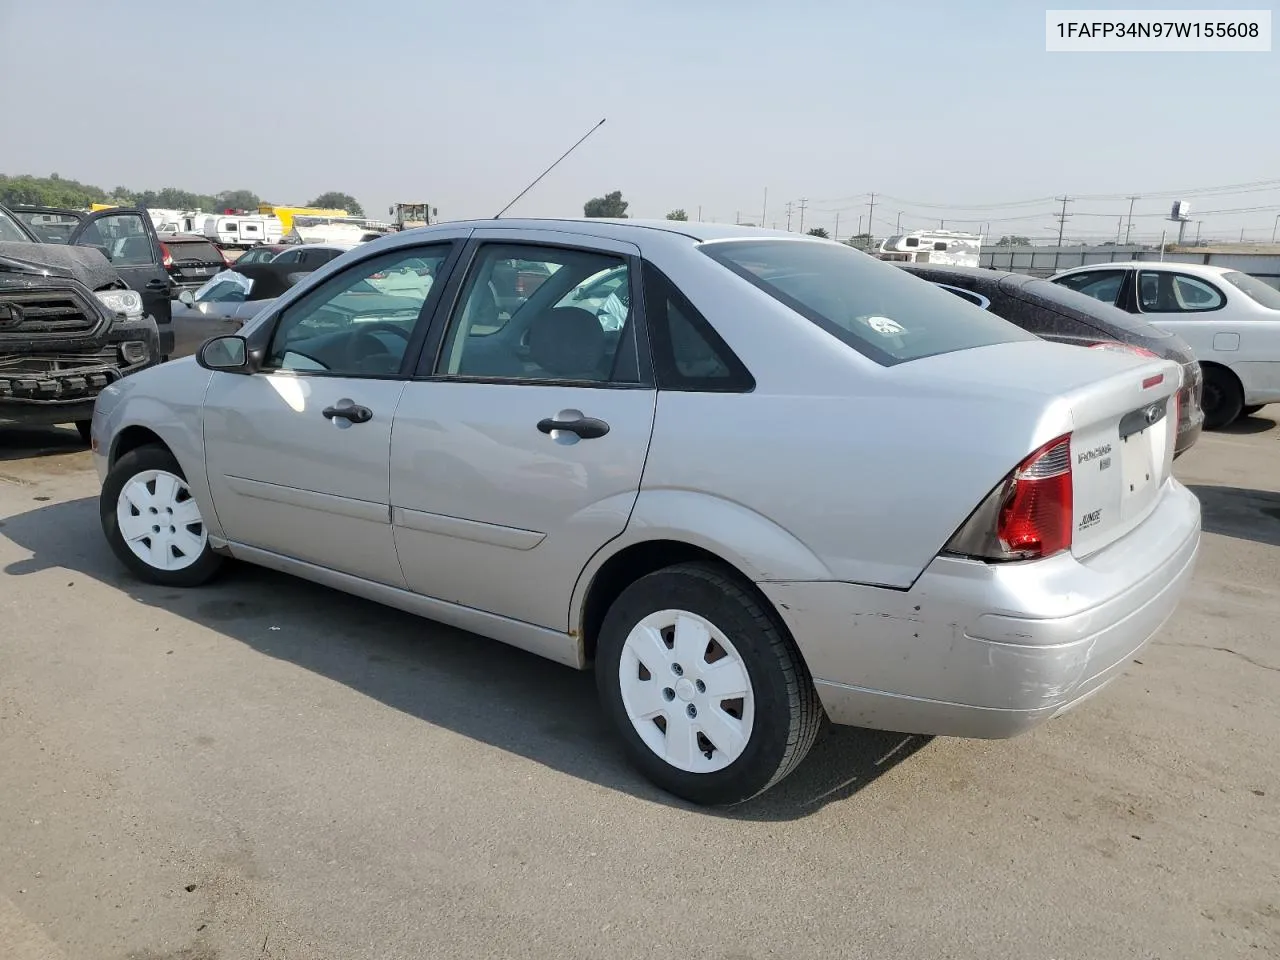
168,400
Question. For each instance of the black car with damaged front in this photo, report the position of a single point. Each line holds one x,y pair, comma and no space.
69,326
1053,312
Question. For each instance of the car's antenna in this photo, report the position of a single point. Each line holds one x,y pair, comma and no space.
549,169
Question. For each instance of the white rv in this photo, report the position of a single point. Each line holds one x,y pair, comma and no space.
242,231
949,247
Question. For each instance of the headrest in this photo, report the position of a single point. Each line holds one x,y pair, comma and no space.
568,342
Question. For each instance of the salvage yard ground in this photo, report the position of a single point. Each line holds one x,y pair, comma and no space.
264,768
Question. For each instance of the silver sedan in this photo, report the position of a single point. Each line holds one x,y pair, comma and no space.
790,481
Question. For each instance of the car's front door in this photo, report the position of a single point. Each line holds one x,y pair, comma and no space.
297,452
131,243
518,451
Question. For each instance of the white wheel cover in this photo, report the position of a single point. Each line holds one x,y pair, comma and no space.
686,691
160,520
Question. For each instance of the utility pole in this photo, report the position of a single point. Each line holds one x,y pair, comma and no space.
942,224
1062,225
788,216
803,204
871,216
899,230
737,218
1198,222
859,224
764,209
1129,229
1273,229
1119,226
835,234
699,213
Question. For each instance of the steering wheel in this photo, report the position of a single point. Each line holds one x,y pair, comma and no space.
365,335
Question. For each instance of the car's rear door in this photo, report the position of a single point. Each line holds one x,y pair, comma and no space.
130,239
517,451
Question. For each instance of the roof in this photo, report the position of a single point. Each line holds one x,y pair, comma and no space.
1204,269
943,270
621,228
35,208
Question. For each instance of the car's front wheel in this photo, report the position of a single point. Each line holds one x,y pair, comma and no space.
707,690
153,522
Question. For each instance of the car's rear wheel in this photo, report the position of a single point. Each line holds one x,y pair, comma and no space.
153,522
1251,409
1222,400
707,690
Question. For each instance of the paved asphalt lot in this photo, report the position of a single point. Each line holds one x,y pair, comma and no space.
263,769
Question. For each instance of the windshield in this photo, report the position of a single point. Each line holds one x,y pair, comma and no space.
51,227
877,309
226,287
1254,289
10,231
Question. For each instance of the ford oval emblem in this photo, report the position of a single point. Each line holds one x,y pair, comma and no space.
1153,413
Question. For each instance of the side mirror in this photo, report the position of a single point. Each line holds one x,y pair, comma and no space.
186,298
229,354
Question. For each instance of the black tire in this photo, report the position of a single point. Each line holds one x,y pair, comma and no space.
788,713
84,427
1251,409
1222,400
150,457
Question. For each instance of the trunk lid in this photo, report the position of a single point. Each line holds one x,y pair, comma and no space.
1121,451
1035,391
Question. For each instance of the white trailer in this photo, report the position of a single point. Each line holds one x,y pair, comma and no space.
242,232
950,247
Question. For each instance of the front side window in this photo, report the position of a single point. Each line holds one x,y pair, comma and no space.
124,236
873,307
347,326
1253,288
1103,285
1161,291
566,328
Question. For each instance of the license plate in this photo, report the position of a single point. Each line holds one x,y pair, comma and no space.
203,271
1137,465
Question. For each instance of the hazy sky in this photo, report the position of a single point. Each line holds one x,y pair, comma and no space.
709,102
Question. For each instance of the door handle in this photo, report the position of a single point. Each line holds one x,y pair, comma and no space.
157,284
353,412
587,428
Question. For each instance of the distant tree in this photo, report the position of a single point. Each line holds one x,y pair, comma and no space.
819,232
333,200
610,205
50,191
677,215
235,200
1013,241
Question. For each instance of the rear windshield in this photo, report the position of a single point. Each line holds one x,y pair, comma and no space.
51,227
875,308
194,251
1254,288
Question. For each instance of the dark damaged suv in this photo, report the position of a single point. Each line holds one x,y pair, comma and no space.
69,326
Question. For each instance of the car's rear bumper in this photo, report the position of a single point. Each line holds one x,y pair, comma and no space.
991,650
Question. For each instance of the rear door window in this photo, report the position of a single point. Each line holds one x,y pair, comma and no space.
1163,291
873,307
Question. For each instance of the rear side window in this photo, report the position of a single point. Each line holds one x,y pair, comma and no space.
688,354
873,307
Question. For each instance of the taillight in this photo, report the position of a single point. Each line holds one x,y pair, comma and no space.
1125,347
166,258
1028,515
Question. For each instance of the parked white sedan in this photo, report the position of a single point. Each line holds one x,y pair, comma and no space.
1230,319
